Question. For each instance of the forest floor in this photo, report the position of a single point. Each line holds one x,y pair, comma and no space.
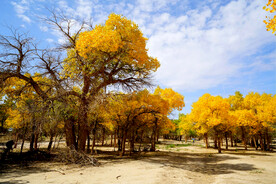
174,162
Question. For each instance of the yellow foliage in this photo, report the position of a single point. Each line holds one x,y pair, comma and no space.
270,22
185,125
17,119
175,100
118,41
210,112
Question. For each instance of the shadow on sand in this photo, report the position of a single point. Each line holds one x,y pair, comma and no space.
205,163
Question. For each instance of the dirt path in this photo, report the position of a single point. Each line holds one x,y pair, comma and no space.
191,164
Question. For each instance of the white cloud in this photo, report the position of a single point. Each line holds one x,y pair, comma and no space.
43,28
21,8
207,48
49,40
84,8
198,48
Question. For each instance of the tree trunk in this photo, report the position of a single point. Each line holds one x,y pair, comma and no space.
22,145
265,143
219,145
157,136
216,141
16,140
111,140
50,142
82,121
94,139
59,139
153,136
70,136
123,144
132,142
267,140
54,146
231,139
23,140
261,142
103,135
36,140
226,141
244,138
206,140
88,143
32,138
255,142
115,137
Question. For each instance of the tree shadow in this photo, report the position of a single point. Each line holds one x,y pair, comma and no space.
248,152
15,182
200,162
17,164
205,163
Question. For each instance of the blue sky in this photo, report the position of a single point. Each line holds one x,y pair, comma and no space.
211,46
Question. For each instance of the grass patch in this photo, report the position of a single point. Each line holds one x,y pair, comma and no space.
170,146
183,145
177,145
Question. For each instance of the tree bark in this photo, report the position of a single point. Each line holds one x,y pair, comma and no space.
219,146
82,121
70,136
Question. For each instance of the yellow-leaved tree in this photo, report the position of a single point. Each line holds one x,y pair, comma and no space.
210,113
110,54
113,53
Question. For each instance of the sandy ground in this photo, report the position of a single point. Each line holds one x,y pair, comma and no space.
189,164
